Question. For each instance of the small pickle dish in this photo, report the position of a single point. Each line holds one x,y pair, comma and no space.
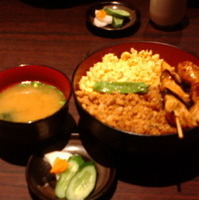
112,19
93,179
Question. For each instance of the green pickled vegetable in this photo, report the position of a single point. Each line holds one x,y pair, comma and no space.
75,162
117,22
6,116
117,12
83,183
121,87
28,83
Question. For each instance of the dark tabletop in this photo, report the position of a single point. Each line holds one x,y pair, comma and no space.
56,35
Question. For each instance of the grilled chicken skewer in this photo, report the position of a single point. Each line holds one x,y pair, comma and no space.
176,99
177,114
188,72
194,93
169,83
166,67
175,108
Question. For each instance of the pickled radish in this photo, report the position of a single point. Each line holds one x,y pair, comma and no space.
101,18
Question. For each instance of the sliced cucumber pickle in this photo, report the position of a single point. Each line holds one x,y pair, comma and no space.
117,12
75,162
117,22
83,183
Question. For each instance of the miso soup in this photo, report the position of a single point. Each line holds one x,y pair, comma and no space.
29,101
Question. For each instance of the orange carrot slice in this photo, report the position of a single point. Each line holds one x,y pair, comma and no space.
59,166
100,14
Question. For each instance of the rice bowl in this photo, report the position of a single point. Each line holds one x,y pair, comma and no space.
129,141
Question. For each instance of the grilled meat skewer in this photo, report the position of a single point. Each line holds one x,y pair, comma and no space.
168,83
175,108
194,92
166,67
188,72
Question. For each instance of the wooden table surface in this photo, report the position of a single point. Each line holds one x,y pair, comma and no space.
57,36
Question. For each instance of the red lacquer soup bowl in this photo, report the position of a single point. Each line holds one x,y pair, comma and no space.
31,133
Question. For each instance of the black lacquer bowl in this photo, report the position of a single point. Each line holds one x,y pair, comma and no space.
129,142
26,135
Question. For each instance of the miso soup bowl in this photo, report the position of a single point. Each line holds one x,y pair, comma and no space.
26,134
131,142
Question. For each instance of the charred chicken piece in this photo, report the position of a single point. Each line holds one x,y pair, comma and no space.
194,92
175,108
188,72
166,67
194,110
169,83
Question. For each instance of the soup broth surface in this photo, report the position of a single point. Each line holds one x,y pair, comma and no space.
29,101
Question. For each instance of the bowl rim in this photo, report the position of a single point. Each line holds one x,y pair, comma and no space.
65,105
129,133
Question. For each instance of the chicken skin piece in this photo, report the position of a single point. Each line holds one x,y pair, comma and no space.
166,67
175,108
168,83
194,110
188,72
194,92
